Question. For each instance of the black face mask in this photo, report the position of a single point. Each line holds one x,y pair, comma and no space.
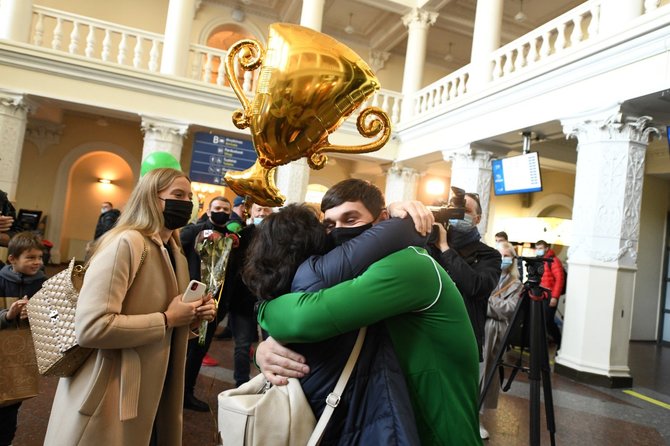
219,218
339,236
177,213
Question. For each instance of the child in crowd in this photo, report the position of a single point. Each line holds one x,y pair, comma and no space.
21,278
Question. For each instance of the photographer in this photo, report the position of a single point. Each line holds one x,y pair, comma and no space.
553,279
472,265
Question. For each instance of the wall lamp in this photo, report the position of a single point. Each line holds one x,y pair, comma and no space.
104,181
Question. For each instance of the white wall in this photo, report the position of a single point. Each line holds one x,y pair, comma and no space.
647,294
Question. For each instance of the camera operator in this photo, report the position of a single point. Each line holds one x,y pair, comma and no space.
472,265
553,279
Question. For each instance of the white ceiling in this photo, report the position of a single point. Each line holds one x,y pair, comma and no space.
378,24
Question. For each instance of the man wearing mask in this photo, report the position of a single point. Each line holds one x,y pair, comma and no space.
238,210
553,279
107,219
258,213
472,265
218,215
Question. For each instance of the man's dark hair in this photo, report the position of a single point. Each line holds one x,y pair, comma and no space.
502,234
542,242
281,243
354,190
219,198
22,242
109,203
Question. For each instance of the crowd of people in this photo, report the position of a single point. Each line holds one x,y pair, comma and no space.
435,298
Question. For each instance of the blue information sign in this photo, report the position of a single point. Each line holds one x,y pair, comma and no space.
517,174
214,155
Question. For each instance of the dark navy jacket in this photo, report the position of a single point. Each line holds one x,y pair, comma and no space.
13,284
375,407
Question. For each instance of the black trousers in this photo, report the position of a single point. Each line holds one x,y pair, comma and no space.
8,421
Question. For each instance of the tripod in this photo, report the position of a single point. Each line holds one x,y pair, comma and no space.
529,314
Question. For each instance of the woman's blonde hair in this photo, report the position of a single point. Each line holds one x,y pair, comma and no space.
143,212
514,270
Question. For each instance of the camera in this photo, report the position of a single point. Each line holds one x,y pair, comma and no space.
453,209
534,268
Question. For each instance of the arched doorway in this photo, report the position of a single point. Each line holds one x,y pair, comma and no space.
223,37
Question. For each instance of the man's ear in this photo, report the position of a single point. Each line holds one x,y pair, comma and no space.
383,215
11,258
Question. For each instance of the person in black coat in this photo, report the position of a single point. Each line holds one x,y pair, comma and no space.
218,215
107,219
472,265
8,223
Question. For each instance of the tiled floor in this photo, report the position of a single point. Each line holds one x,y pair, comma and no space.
585,415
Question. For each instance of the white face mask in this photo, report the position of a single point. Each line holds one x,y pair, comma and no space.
506,262
103,210
257,220
539,252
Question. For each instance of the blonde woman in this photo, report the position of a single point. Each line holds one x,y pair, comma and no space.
501,306
130,390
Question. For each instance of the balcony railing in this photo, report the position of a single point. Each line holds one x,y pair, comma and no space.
89,39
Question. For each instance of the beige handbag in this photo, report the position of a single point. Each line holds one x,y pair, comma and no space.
51,314
259,414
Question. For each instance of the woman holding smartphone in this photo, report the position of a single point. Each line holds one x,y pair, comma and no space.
130,311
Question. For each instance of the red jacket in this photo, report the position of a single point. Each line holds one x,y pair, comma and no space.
553,276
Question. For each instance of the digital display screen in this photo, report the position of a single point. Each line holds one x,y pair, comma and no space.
517,174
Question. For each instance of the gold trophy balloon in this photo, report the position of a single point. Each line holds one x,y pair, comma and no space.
309,84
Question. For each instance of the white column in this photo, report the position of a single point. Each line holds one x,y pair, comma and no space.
401,184
312,14
471,171
174,59
603,256
13,117
417,22
162,135
15,18
292,178
615,13
485,40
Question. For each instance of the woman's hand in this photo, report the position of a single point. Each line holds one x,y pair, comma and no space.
180,313
206,311
278,363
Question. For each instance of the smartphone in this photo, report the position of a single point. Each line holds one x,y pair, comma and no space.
194,291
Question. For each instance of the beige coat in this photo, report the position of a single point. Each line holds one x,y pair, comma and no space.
136,375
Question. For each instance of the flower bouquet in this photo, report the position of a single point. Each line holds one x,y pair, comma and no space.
214,249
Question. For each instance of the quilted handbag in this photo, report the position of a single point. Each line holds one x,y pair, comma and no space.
51,314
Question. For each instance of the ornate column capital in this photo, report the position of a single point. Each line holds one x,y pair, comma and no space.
469,156
43,133
615,127
15,104
378,59
163,128
419,17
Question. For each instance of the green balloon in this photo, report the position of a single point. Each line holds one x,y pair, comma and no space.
156,160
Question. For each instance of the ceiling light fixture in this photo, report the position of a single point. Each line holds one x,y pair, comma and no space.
349,29
520,16
449,57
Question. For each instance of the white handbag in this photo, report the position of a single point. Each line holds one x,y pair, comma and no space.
259,414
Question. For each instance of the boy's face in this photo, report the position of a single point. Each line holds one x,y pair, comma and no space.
28,263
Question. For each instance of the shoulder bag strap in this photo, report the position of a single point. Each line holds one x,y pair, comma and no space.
333,399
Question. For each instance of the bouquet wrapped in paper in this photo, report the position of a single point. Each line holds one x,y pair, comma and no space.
214,249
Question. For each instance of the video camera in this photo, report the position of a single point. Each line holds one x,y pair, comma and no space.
453,209
535,268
